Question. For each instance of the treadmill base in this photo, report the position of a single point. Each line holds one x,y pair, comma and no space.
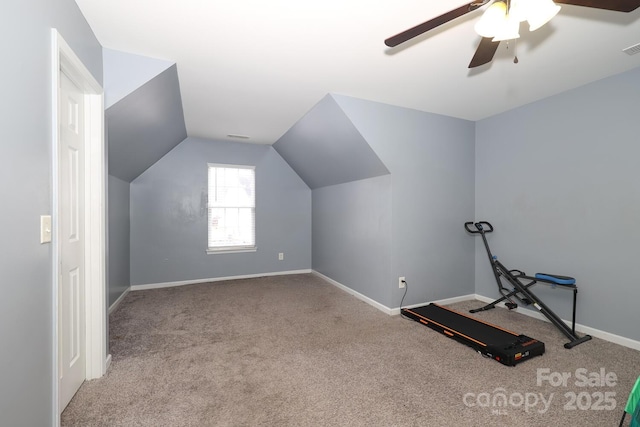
508,348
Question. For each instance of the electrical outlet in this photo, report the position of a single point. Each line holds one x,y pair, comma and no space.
280,256
401,282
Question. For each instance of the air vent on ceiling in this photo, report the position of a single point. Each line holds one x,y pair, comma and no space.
235,135
632,50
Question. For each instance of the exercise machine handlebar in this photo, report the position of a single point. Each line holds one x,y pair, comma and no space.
479,227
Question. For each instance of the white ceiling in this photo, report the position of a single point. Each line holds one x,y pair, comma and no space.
255,67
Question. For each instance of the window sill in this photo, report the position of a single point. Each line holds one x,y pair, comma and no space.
231,250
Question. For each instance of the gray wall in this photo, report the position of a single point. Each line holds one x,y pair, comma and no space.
351,226
559,180
169,215
145,125
26,352
431,160
142,126
119,226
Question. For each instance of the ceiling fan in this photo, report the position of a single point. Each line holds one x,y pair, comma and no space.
509,14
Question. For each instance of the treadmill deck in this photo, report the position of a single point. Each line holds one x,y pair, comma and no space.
507,347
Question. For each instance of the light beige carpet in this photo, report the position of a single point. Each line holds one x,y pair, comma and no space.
297,351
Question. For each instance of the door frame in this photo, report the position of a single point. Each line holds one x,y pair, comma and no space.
63,58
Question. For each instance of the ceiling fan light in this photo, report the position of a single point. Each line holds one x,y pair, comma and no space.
492,19
519,9
541,14
509,30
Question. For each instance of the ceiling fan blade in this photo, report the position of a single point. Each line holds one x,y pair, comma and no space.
433,23
484,53
617,5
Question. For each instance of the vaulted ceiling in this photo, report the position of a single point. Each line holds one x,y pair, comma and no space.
254,68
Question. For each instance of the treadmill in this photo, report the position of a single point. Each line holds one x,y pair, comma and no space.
495,342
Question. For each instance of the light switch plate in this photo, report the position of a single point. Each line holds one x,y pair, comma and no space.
45,228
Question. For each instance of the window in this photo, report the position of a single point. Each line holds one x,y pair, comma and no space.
231,208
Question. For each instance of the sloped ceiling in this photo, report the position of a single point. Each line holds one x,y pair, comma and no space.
125,72
145,125
325,148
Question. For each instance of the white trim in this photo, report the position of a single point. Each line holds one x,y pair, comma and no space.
382,307
214,279
55,182
225,165
356,294
230,250
108,362
95,293
63,57
238,244
445,301
607,336
117,302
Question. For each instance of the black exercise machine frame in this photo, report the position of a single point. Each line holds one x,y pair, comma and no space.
521,290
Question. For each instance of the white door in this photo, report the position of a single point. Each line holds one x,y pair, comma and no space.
71,322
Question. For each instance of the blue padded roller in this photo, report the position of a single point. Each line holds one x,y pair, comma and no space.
558,280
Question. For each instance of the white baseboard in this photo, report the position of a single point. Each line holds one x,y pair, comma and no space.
107,363
439,302
356,294
117,302
214,279
382,307
607,336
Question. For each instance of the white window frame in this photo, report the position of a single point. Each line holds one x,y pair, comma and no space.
231,248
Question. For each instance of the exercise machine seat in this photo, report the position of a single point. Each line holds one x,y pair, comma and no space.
558,280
